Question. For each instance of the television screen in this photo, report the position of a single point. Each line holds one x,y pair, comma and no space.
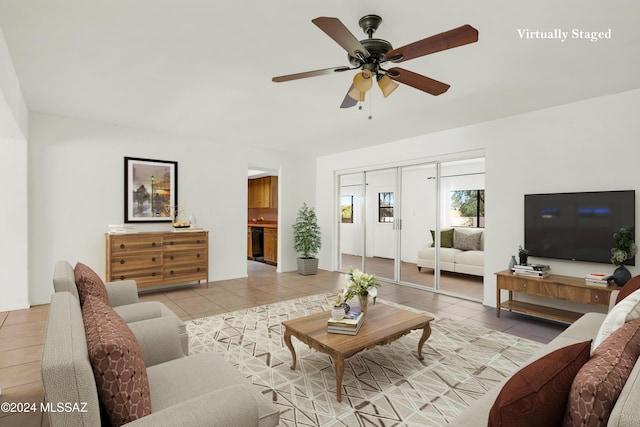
577,226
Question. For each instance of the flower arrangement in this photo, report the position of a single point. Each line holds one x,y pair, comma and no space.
360,284
625,248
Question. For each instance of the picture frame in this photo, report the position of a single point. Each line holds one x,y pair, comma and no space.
150,190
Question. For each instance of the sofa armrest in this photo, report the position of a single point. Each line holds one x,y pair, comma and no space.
158,339
122,292
229,406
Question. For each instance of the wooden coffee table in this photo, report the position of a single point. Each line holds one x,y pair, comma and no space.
383,325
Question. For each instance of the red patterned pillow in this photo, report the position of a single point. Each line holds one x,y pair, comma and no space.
118,366
597,386
537,394
630,287
89,283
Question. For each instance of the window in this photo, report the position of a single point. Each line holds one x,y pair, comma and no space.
467,208
346,208
385,207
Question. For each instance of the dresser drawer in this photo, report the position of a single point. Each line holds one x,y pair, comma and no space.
185,272
140,275
125,244
517,284
172,258
186,241
124,262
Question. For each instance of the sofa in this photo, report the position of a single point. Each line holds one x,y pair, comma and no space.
123,297
626,410
461,251
197,390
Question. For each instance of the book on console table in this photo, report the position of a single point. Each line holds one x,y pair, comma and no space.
531,273
531,267
597,279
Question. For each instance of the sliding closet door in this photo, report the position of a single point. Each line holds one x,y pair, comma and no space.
380,224
418,217
351,226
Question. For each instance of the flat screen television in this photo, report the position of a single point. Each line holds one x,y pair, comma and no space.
577,226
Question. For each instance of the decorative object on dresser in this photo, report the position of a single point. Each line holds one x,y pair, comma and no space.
150,189
624,251
553,286
306,240
158,258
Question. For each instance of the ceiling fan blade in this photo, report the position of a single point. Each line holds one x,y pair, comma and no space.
348,101
447,40
418,81
335,29
309,74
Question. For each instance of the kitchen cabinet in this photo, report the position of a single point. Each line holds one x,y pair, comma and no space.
263,192
271,245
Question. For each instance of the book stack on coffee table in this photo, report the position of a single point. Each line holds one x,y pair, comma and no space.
349,325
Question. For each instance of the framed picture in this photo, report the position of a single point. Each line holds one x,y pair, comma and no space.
150,190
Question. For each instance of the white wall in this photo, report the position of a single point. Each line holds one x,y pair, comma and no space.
584,146
13,188
77,183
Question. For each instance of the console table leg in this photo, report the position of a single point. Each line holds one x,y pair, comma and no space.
426,333
287,341
339,361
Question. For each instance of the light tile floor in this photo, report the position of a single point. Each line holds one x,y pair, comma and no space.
22,331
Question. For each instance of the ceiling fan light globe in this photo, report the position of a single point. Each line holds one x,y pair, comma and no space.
387,86
356,94
363,81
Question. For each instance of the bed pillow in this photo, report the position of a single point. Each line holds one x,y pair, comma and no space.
626,310
89,283
537,394
446,238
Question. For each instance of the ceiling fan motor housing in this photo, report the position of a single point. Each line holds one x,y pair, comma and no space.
378,49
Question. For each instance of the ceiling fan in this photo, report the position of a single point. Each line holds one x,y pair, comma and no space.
370,54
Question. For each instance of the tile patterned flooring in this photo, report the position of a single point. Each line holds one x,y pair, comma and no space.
22,331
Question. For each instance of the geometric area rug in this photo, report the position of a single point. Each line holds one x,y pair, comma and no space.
383,386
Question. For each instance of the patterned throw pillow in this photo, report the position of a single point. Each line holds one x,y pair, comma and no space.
598,384
118,366
626,310
89,283
537,395
466,241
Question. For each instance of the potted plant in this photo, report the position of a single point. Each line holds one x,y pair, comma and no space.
624,250
306,240
523,255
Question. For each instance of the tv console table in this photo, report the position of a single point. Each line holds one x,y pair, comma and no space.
553,286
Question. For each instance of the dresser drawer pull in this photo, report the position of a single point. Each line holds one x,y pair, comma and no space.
153,259
153,274
121,277
198,241
524,285
171,243
121,261
198,269
171,257
597,298
198,256
171,272
153,245
121,245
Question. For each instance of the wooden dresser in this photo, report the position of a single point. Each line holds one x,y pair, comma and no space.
553,286
158,258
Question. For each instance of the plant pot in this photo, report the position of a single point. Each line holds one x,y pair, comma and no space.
307,266
621,275
523,259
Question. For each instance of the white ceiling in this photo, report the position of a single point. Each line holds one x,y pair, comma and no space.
204,68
